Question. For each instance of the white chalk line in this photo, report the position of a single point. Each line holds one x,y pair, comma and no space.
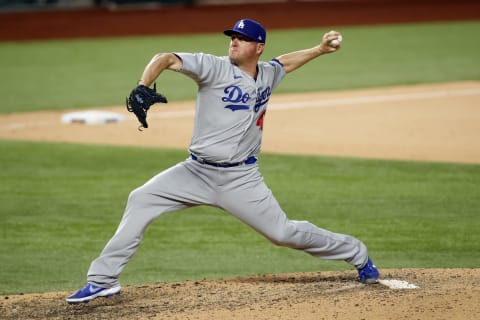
333,102
375,99
23,125
347,101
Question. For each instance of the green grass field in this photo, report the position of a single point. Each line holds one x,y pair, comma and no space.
86,73
60,203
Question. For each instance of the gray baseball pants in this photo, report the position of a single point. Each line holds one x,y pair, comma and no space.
239,190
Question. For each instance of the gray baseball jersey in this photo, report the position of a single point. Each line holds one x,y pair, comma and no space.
230,106
228,131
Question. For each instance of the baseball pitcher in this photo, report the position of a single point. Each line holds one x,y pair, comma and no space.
222,169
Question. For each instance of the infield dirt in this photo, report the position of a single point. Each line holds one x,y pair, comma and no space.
442,294
426,122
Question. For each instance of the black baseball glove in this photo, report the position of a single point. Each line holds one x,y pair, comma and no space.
140,100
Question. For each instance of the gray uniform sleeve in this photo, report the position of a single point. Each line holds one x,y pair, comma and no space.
278,72
200,67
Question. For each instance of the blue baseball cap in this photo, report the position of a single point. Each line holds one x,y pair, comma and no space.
250,29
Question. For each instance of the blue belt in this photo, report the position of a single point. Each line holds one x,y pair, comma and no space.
250,160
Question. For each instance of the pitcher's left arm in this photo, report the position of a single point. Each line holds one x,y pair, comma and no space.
294,60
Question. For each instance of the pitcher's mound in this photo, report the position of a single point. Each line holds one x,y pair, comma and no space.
441,294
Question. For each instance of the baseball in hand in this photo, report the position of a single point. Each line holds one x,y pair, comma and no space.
336,42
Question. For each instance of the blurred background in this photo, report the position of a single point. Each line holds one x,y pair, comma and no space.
61,4
64,19
12,5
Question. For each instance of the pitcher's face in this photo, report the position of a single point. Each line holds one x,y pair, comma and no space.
243,49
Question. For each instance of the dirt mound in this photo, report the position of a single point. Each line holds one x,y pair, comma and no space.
441,294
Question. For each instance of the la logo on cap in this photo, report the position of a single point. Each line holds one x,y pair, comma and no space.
249,28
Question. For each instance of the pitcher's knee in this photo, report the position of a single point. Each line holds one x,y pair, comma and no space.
133,196
138,197
286,237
